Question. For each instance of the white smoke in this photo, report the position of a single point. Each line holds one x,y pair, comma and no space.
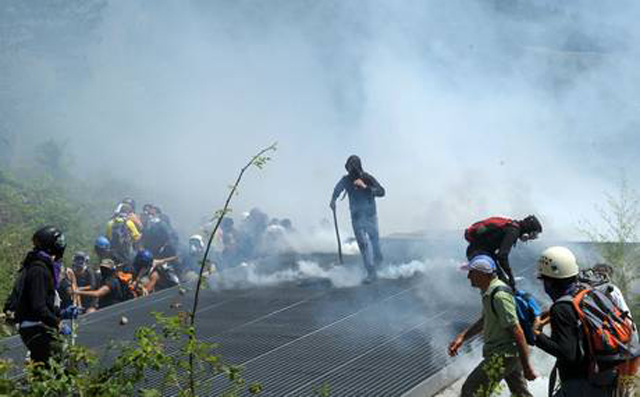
248,274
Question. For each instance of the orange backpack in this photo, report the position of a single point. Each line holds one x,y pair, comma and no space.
609,335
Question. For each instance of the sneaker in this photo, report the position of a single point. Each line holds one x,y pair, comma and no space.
371,278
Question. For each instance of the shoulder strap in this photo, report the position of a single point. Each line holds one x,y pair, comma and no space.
497,289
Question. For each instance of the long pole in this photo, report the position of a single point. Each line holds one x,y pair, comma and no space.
335,224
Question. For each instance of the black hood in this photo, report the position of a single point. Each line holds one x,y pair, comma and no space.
354,166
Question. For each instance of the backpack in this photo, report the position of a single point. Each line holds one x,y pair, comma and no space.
526,307
127,286
486,227
121,240
609,335
596,281
13,300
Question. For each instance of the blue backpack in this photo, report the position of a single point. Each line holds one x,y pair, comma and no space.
526,307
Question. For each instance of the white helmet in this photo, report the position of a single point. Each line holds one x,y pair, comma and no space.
557,263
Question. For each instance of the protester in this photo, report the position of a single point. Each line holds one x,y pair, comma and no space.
558,270
496,237
606,285
118,287
86,279
66,284
193,258
251,234
37,304
123,234
362,189
132,215
102,249
505,350
230,249
167,264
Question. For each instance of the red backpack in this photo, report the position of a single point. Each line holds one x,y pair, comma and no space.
486,227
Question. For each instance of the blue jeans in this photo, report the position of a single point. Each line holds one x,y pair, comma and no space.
365,230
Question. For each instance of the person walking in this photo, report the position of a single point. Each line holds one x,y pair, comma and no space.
362,189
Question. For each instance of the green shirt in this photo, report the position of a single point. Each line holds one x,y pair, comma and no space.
497,328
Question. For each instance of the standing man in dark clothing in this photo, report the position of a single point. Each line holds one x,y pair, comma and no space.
38,304
558,270
496,237
362,189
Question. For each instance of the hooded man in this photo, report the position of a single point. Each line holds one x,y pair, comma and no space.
38,304
362,189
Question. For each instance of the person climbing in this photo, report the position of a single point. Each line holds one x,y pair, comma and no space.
167,263
362,189
142,266
505,350
496,236
123,234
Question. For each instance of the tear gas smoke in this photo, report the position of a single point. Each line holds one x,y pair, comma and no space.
249,275
462,108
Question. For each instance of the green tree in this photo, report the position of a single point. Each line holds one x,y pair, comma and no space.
617,238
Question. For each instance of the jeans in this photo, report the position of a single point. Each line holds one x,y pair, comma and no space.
365,230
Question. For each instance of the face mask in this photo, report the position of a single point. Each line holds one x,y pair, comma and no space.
557,293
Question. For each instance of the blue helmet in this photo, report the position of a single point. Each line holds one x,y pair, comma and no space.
102,243
143,260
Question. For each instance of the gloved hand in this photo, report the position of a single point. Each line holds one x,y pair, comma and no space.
70,312
65,330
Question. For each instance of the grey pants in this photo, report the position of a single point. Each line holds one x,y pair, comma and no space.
487,375
365,230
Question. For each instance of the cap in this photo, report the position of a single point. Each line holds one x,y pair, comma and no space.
481,263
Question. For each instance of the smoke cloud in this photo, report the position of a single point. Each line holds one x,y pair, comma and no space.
461,109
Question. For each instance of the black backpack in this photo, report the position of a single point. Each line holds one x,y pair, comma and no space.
10,308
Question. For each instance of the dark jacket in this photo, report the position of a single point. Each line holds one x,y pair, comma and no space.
361,201
565,342
497,244
37,301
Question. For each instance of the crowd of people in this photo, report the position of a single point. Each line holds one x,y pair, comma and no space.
138,255
592,334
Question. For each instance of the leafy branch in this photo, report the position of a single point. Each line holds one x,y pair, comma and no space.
259,161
